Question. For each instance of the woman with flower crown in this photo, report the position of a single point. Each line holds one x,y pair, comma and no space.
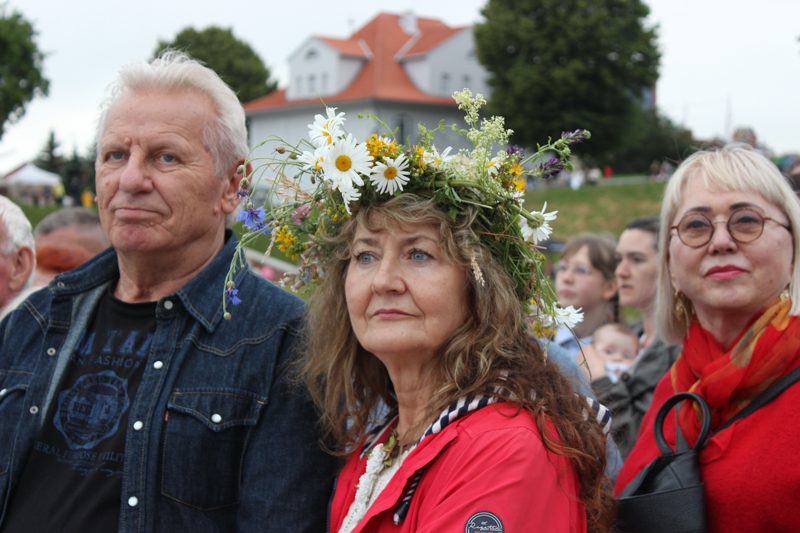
425,272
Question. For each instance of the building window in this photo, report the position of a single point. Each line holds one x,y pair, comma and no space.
311,54
400,121
466,81
312,84
445,83
324,83
298,85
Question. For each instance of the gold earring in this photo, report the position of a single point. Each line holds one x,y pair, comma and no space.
683,308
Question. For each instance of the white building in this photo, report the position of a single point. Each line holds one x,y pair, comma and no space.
400,68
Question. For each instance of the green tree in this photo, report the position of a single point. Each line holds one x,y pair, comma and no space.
233,59
78,175
650,137
564,64
49,158
21,69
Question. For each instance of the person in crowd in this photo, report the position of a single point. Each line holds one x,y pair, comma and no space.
17,256
616,345
421,309
729,290
584,278
65,239
127,402
424,337
637,273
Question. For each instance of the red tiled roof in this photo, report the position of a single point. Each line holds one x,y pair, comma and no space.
431,38
348,47
382,77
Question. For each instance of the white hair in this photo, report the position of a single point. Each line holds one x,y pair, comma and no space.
225,138
17,226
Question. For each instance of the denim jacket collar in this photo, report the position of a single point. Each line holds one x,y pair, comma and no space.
201,296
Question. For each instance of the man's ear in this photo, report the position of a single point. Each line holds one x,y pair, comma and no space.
22,268
233,178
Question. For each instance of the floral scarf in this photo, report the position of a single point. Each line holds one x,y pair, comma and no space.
729,380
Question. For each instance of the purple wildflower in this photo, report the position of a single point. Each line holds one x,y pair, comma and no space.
515,150
254,218
233,296
551,167
574,137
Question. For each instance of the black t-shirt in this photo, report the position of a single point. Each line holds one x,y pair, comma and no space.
72,479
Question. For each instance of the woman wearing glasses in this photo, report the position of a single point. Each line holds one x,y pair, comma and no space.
585,279
729,289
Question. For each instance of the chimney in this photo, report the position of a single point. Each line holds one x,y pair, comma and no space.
408,23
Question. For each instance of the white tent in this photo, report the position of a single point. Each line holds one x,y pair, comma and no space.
30,174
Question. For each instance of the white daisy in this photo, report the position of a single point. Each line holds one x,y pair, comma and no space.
346,162
312,161
349,194
541,232
391,175
436,159
493,167
325,130
568,316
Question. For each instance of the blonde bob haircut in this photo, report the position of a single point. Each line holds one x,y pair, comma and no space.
735,167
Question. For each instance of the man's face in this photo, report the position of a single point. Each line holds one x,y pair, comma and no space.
12,279
157,190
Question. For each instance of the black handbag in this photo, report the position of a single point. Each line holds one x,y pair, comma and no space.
667,495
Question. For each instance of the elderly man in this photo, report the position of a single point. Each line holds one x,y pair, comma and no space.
127,402
16,251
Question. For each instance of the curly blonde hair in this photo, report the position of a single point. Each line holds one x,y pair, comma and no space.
490,352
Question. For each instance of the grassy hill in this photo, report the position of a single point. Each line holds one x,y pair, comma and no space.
602,208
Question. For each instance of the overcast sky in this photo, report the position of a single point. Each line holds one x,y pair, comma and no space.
725,63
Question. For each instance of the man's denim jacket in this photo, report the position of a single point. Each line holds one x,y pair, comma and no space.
217,439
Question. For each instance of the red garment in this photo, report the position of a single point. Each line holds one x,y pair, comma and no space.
751,476
729,380
489,461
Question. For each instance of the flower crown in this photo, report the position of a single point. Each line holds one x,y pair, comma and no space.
314,185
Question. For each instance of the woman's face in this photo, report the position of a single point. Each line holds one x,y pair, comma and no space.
405,297
727,281
579,284
637,268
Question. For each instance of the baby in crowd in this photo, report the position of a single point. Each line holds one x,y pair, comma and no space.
618,346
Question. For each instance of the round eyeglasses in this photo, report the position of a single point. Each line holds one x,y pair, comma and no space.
744,225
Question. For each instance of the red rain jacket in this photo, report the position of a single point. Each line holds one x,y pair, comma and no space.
486,471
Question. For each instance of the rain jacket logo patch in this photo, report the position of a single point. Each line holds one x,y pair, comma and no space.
483,522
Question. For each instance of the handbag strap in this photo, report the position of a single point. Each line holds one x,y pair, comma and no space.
680,444
772,392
